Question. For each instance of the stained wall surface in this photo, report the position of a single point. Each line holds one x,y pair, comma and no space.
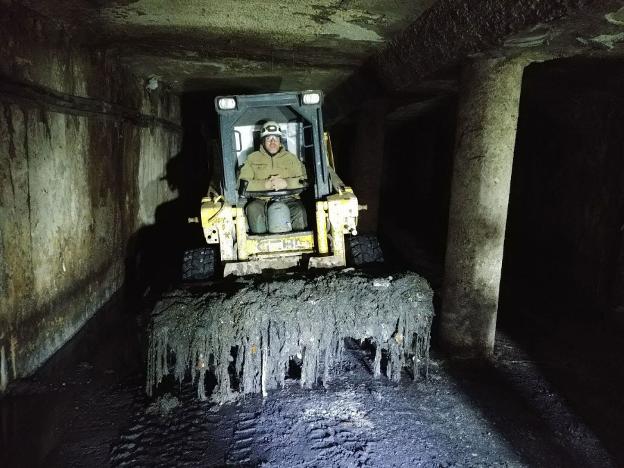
83,152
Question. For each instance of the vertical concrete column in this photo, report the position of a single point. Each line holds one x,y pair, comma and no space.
486,133
367,162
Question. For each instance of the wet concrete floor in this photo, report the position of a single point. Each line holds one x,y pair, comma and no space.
87,407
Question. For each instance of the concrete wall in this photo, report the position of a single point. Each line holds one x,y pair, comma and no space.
83,149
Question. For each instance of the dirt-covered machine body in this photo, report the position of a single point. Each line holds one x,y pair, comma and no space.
332,207
249,332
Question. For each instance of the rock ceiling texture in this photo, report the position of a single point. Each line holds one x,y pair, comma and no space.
353,49
195,44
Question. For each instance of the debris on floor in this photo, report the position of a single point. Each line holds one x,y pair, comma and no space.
249,332
163,405
516,410
461,416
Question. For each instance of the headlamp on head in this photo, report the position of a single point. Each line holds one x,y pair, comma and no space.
270,128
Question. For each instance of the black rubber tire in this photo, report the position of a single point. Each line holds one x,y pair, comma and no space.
363,249
199,264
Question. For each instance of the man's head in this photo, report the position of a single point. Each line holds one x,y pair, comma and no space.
271,135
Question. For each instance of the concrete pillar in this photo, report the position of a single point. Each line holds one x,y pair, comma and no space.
367,162
486,133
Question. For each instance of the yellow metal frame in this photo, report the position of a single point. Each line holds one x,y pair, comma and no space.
330,151
217,219
276,245
336,216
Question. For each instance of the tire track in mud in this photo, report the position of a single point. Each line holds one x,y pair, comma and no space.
333,441
189,434
241,448
315,428
355,421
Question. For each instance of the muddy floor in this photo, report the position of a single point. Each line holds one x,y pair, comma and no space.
530,406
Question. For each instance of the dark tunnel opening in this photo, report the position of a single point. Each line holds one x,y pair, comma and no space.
417,151
560,289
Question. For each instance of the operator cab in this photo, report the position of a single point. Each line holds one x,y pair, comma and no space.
331,206
247,139
298,115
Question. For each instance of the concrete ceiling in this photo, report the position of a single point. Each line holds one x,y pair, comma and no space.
249,45
409,51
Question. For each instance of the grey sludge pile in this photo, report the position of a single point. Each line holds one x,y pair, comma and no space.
246,332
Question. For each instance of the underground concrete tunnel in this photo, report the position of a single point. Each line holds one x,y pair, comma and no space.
484,138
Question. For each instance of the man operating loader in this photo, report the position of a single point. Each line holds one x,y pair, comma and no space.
275,174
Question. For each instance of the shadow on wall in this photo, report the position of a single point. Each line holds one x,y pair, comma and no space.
155,252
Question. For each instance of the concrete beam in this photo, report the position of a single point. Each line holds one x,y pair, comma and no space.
486,133
449,32
32,94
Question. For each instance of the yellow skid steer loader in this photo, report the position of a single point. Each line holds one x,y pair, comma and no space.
331,207
250,334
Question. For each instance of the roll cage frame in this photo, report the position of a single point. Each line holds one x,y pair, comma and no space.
273,107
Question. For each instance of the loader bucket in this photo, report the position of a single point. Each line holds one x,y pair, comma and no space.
260,325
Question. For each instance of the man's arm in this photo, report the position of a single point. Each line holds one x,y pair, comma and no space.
247,173
298,172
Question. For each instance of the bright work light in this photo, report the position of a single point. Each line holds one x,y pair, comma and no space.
226,103
311,98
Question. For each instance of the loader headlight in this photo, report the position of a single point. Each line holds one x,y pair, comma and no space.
311,98
226,103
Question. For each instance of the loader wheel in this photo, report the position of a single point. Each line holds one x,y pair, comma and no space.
198,264
363,249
